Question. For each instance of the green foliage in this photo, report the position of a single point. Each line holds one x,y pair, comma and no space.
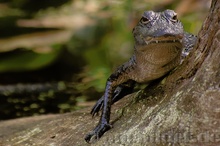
189,26
27,60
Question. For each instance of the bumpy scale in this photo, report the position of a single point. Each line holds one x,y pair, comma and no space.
160,45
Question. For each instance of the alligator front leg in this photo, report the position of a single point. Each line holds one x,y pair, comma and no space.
120,76
103,124
121,91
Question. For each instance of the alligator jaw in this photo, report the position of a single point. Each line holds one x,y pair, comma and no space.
163,39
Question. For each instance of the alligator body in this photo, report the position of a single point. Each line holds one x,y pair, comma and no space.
160,45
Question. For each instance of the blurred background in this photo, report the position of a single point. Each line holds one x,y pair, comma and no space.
56,55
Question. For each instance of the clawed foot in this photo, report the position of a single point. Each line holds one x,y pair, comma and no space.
97,132
97,107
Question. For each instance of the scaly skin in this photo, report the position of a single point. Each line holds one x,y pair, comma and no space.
160,43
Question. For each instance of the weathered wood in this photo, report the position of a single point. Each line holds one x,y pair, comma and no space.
184,110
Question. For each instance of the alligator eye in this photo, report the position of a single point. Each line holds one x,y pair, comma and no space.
144,20
174,18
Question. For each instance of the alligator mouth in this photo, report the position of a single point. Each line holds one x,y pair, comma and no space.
163,39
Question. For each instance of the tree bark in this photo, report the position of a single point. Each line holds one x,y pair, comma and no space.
182,110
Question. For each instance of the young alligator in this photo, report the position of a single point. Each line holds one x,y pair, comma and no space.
160,45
